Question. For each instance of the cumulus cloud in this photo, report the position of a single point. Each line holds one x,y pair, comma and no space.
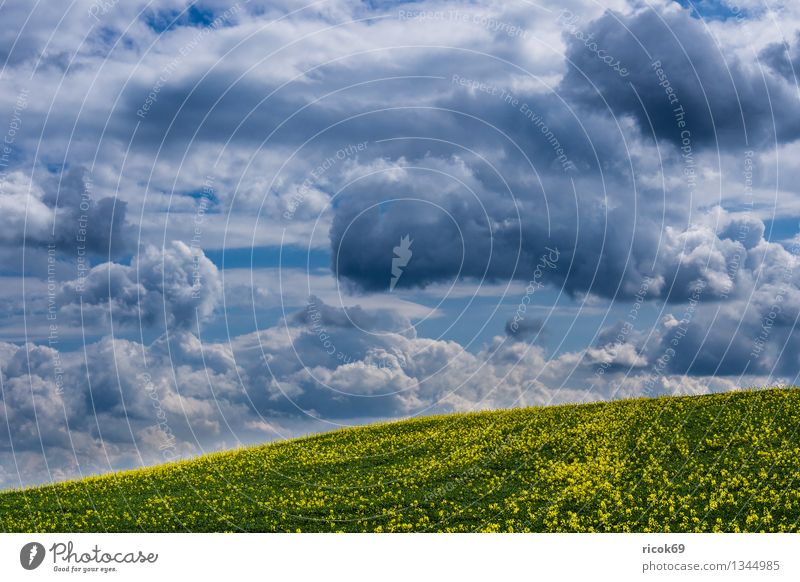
332,132
753,331
124,403
612,231
174,286
674,63
63,213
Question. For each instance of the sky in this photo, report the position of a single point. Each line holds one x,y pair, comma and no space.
225,223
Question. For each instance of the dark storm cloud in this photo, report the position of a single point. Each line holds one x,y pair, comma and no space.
462,229
63,211
83,219
611,232
727,104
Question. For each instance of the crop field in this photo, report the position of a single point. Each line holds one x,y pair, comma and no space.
723,462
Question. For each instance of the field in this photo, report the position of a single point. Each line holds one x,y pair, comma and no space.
725,462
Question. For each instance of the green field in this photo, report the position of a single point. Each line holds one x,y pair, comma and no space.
725,462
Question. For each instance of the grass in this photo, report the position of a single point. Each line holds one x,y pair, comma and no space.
723,462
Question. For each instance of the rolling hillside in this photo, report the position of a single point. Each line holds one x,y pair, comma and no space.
725,462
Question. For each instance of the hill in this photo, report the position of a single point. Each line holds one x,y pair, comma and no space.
723,462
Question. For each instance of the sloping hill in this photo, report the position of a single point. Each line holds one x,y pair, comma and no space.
725,462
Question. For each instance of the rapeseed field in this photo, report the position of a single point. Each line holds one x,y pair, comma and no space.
725,462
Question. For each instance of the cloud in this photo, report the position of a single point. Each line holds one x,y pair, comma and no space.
84,221
122,404
62,213
783,58
752,332
524,329
464,150
674,63
23,202
175,287
489,238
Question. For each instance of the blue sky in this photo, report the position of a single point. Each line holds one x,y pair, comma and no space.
714,10
264,219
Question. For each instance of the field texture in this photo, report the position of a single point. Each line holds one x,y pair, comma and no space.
727,462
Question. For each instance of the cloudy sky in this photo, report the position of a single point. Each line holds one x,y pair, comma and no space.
224,223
